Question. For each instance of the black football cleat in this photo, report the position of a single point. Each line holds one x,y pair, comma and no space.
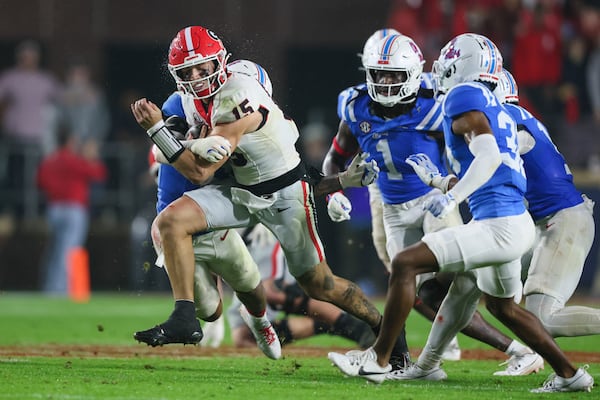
161,334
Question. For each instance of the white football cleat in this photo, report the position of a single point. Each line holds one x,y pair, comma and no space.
525,364
360,363
262,329
580,382
414,372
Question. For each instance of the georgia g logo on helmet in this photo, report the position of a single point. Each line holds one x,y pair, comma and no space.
212,35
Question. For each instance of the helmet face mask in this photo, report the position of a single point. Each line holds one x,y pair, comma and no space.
466,58
197,60
393,70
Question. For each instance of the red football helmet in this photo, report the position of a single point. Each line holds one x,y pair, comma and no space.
192,47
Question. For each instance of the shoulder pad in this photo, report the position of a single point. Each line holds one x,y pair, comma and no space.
347,97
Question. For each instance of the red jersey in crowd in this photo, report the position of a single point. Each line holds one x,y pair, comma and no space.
65,176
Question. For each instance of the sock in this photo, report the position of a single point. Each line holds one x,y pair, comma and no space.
183,318
400,346
354,329
184,310
429,359
517,349
283,331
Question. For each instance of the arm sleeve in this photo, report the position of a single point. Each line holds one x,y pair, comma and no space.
487,159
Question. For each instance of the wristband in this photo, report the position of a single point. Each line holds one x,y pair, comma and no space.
339,150
165,141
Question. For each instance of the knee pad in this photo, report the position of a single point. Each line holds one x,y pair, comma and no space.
207,297
542,306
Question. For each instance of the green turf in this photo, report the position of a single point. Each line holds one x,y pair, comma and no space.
31,319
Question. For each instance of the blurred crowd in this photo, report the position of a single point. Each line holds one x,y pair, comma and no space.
552,47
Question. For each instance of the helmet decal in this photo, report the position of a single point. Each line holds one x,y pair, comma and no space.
416,50
493,56
212,34
384,58
452,52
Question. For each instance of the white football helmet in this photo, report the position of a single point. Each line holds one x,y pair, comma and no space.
374,39
507,90
191,47
466,58
252,70
401,58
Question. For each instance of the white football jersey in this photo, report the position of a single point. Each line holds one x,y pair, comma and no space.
264,154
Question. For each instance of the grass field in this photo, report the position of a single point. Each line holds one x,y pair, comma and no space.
55,349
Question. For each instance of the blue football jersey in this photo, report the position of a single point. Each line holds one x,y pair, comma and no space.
390,141
550,185
502,194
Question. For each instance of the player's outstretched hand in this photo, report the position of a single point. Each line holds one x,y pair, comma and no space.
338,207
360,172
212,148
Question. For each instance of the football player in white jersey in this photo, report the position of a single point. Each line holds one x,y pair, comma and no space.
222,253
564,224
270,182
481,144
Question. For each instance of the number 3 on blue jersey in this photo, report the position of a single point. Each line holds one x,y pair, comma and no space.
505,121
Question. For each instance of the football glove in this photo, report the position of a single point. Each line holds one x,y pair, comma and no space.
212,148
440,205
360,172
428,172
338,207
